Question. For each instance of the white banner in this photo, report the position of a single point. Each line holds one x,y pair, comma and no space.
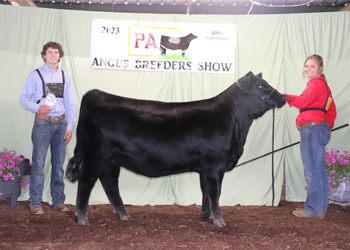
155,46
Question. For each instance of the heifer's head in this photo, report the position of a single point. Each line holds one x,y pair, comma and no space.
261,92
191,36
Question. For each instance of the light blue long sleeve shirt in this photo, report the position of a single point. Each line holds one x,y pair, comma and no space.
33,92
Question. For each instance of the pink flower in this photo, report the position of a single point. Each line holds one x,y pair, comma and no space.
8,166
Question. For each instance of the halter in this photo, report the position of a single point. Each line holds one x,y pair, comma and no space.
263,98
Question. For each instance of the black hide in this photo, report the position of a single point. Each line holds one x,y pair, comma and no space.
175,43
155,139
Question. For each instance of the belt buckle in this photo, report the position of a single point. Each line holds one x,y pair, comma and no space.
299,127
56,119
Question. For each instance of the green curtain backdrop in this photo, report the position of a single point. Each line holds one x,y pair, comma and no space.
275,45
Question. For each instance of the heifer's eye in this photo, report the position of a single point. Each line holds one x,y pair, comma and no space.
260,86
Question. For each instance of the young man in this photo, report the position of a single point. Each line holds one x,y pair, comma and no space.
48,93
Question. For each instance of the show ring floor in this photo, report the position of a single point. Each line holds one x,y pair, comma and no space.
173,227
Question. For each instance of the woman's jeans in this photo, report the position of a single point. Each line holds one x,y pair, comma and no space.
312,146
45,134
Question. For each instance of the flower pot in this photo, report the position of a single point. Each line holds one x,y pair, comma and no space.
11,190
341,194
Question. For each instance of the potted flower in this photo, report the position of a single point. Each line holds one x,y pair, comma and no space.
14,175
338,168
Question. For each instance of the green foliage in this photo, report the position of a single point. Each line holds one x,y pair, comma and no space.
174,57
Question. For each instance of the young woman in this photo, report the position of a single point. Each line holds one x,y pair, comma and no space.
316,118
48,93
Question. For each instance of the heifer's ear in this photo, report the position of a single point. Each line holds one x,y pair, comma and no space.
251,79
259,75
244,82
249,73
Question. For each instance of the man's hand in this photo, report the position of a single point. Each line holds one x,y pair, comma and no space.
68,136
45,109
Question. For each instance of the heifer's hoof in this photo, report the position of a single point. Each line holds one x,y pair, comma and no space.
83,222
206,216
126,217
219,223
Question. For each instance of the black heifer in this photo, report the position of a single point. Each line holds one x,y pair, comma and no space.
155,139
175,43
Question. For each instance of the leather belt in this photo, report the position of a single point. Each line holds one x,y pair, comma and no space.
53,119
308,124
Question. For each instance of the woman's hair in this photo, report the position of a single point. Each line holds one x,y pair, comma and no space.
319,62
53,45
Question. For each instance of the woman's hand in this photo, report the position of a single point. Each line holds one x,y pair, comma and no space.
289,97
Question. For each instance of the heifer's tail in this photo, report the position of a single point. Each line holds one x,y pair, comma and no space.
73,168
74,165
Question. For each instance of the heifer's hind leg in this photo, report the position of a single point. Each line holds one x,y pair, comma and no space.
85,185
205,198
110,183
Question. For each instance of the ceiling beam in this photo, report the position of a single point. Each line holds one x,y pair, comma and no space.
346,8
28,3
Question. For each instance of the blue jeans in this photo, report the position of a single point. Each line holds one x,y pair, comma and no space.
312,146
45,134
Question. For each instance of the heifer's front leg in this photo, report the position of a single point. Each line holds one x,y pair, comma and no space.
162,51
205,198
214,187
85,185
109,180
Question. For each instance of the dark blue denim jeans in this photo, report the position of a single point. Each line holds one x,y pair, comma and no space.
312,146
45,134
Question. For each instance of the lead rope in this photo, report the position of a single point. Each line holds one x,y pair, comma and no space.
273,149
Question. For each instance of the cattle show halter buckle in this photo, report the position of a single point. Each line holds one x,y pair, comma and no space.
263,98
